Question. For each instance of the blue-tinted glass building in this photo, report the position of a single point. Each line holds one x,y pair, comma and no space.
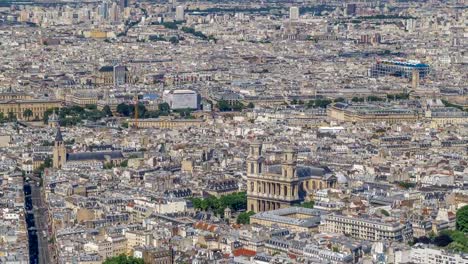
399,68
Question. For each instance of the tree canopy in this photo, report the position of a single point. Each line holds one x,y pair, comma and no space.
451,239
235,201
73,115
224,106
308,204
244,218
123,259
319,103
462,219
27,113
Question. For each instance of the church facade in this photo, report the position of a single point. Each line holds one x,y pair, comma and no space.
281,186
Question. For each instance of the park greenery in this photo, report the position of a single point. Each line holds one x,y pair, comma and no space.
9,118
319,103
224,106
244,218
110,165
157,38
462,219
73,115
169,25
197,34
309,204
235,201
454,240
128,110
172,39
123,259
406,185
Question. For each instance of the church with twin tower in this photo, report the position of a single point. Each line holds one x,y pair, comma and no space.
284,185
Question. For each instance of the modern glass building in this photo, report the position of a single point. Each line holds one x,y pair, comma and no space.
399,68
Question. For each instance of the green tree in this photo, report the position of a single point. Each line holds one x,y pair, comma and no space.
152,114
462,219
107,111
185,113
244,218
322,103
108,165
235,201
223,106
27,113
123,259
141,110
2,117
442,240
406,185
174,40
164,107
373,98
197,202
124,109
11,116
357,99
308,204
238,106
250,105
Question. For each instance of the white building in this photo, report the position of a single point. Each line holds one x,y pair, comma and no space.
171,207
293,13
179,13
423,254
182,99
367,229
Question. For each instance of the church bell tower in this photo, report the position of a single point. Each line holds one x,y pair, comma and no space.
60,151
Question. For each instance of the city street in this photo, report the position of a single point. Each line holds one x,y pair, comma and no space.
40,219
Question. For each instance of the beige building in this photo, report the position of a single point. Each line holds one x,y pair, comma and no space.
11,95
366,229
138,238
158,256
5,141
370,113
110,247
17,107
82,99
440,117
281,186
296,219
165,123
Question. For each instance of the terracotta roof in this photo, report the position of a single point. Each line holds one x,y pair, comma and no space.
244,252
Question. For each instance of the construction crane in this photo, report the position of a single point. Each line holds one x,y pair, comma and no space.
136,111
